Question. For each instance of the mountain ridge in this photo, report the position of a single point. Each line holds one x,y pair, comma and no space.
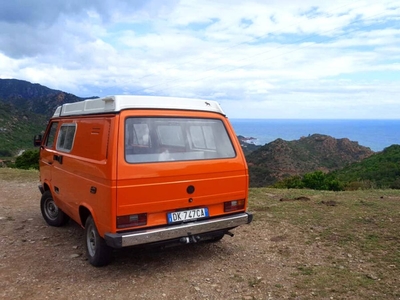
34,97
280,159
26,108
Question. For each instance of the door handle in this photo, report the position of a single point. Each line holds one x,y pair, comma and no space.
58,158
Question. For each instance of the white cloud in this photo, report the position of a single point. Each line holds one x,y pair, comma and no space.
275,59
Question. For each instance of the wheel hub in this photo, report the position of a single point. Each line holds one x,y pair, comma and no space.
51,209
91,242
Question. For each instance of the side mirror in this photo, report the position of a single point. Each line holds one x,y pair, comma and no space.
37,140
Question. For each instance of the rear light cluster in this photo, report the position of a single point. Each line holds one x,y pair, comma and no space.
234,205
132,220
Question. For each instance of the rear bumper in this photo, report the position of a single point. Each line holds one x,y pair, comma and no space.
140,237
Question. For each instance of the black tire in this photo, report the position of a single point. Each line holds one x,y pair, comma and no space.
98,253
51,213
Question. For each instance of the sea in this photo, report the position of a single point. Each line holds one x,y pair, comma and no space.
375,134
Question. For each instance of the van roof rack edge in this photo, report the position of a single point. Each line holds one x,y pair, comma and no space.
117,103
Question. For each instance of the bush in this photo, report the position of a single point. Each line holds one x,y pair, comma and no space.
28,160
292,182
395,184
316,181
360,185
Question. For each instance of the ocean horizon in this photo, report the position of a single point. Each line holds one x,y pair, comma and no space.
375,134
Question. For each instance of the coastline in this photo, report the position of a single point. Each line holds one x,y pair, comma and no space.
375,134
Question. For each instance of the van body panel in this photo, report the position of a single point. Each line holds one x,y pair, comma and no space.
157,188
156,192
83,176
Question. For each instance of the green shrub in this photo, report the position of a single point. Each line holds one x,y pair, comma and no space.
292,182
360,185
395,184
28,160
317,180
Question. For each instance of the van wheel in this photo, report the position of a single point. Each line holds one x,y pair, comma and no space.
98,253
51,213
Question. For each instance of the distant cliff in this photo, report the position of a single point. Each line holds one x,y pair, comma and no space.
33,97
280,159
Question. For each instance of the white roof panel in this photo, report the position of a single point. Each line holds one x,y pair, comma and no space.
121,102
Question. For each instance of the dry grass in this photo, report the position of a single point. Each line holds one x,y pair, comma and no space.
9,174
357,233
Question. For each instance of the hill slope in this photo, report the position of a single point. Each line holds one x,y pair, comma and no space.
17,128
381,170
279,159
24,111
33,97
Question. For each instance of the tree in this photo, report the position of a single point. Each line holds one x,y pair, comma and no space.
316,181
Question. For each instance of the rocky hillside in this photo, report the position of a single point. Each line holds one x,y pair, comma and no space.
33,97
280,159
24,111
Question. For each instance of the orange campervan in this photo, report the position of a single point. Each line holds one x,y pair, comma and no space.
135,170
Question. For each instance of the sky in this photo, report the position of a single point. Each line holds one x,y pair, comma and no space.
280,59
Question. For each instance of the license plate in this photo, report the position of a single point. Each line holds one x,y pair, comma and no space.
187,215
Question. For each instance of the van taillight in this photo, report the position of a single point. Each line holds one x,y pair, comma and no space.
131,220
234,205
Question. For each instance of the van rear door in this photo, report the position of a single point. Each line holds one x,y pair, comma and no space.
176,168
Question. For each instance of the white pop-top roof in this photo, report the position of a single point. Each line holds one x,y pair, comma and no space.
117,103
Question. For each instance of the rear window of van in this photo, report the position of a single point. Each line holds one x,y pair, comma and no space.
155,139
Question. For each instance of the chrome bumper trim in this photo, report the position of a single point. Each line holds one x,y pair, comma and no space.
119,240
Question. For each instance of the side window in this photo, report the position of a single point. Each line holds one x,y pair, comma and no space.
66,137
51,135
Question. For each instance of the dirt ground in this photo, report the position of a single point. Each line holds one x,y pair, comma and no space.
42,262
